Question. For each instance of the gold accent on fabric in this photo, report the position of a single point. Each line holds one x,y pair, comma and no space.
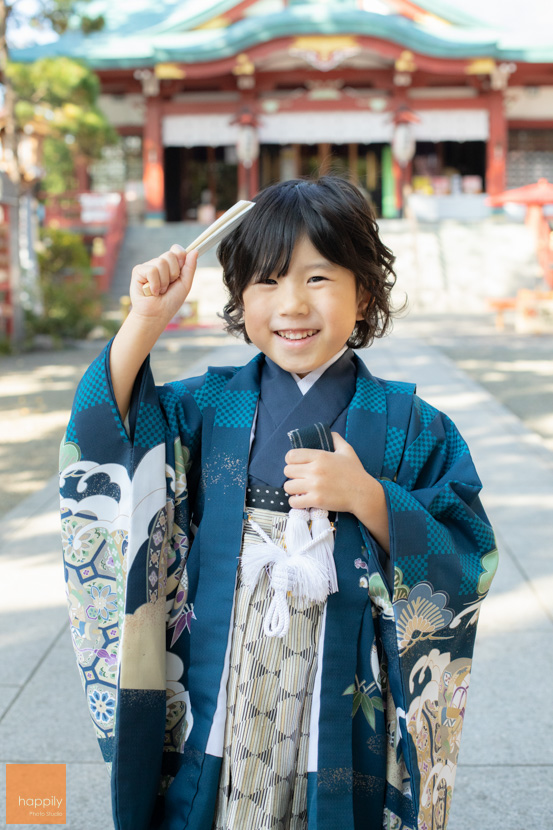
142,655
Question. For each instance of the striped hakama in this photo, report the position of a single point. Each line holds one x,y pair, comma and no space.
263,780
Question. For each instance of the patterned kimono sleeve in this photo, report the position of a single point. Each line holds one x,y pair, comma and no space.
125,528
442,558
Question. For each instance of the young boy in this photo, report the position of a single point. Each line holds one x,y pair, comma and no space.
247,663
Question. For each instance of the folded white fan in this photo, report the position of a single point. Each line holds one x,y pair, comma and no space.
219,229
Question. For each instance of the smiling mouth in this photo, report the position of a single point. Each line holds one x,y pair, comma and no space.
291,334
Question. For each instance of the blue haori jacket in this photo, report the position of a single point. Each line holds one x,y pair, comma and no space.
152,522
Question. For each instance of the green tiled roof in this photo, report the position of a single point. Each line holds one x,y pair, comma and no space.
136,34
451,12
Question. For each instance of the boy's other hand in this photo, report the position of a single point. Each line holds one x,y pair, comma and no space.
337,481
328,480
169,278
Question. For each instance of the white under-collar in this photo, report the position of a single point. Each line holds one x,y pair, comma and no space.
305,383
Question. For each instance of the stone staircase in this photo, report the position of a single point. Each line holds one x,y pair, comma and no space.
456,266
142,243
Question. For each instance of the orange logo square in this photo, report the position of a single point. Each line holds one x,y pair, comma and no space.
35,794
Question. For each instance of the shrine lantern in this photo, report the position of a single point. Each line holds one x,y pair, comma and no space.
247,146
403,143
403,148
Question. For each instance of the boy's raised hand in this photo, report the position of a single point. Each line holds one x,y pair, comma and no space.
169,278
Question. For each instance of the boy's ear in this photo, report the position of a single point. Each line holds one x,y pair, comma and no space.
365,300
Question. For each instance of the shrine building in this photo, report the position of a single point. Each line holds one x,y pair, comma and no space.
218,98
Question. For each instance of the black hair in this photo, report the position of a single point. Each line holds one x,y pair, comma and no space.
339,222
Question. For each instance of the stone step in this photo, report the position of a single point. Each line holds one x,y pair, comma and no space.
142,243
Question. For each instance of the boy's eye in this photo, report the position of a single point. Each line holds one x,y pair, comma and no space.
267,281
316,278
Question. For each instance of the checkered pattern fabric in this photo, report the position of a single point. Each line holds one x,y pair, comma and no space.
93,388
399,498
94,391
170,397
393,387
395,442
71,432
369,395
424,410
483,534
446,505
471,568
236,408
263,781
455,447
415,568
438,539
210,391
419,452
150,426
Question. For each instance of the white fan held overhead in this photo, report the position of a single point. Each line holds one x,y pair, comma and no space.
217,231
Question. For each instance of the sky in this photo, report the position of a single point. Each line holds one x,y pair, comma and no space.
516,15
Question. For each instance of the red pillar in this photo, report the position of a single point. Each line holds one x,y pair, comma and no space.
153,177
248,180
496,156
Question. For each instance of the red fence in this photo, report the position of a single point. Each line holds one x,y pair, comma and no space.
6,307
101,218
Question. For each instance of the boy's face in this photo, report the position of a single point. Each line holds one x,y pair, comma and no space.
304,318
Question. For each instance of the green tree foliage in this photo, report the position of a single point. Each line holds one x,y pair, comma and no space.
71,300
56,98
65,14
59,167
59,15
53,97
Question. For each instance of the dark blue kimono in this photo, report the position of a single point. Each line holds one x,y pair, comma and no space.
152,527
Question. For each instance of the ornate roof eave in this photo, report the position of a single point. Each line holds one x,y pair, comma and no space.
258,53
104,51
232,9
182,17
450,12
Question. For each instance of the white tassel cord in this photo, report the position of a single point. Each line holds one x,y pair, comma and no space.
297,532
324,549
277,619
295,569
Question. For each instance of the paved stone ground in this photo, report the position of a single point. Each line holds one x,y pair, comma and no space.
516,369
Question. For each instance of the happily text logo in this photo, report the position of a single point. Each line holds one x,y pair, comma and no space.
35,794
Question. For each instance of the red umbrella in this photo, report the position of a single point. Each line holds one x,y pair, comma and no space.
540,193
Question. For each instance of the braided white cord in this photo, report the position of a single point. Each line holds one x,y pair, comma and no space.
277,619
295,571
312,542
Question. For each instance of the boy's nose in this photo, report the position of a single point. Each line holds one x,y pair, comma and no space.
293,302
